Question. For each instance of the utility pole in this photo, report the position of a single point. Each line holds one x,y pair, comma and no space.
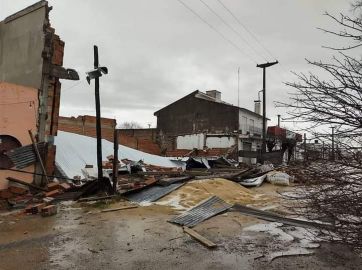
264,66
95,74
115,160
98,118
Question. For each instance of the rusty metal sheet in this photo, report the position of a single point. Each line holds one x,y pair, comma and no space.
204,210
24,156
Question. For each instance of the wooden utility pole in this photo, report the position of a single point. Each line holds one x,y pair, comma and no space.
264,66
98,118
115,160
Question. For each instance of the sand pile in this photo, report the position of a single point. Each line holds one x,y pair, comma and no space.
195,191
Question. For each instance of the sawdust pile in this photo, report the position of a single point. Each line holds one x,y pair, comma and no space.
195,191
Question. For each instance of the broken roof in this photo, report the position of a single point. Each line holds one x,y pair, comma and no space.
201,95
75,151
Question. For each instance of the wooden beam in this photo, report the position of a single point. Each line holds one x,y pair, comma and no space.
199,237
119,208
38,155
25,183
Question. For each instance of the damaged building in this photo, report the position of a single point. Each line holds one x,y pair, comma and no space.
202,121
31,66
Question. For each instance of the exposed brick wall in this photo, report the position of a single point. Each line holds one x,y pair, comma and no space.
140,139
86,125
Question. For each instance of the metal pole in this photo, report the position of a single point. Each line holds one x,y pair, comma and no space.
278,120
98,118
263,150
264,66
238,86
115,160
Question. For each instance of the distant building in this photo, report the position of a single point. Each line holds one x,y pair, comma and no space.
203,121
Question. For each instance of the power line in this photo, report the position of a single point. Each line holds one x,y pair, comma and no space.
246,29
213,28
232,29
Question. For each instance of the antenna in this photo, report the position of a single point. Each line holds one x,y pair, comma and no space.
238,86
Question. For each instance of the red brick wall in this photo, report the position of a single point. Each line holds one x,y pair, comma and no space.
140,139
86,125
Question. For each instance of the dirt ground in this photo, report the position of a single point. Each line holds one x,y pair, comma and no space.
82,237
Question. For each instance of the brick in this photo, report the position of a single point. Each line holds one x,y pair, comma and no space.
65,186
17,188
49,210
53,193
6,194
48,200
34,209
53,186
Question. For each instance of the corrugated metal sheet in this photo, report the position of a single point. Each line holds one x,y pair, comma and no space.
153,193
204,210
274,217
24,156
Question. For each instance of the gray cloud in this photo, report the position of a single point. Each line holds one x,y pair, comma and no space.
158,51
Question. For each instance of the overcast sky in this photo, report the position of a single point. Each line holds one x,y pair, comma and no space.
159,51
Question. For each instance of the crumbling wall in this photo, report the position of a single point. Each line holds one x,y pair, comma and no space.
31,55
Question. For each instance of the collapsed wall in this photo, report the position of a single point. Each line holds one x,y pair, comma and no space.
31,59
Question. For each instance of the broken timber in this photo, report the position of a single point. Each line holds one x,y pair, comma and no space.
25,183
119,208
206,242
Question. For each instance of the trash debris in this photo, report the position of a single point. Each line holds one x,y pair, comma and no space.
278,178
253,182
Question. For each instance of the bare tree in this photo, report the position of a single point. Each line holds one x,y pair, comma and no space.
130,125
335,191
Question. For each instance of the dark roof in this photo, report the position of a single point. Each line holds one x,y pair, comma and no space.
201,95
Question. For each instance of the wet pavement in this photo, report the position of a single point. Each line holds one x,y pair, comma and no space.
81,237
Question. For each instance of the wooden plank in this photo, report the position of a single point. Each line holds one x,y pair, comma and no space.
199,237
88,199
119,208
25,183
38,155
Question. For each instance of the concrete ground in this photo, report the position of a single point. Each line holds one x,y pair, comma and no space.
82,237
